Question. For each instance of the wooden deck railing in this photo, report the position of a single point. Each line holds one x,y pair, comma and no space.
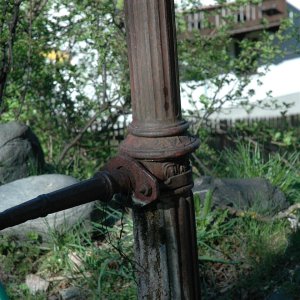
245,18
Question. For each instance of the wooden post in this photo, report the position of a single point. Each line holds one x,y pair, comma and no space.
164,231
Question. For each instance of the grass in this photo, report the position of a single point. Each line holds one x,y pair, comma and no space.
232,249
102,268
249,161
241,257
245,258
235,255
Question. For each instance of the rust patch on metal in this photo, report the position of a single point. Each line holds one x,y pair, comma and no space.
144,185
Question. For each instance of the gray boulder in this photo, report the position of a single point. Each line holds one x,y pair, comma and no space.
255,193
22,190
21,154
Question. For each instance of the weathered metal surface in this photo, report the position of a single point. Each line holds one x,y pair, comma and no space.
143,184
158,148
165,243
102,187
155,93
153,162
122,175
154,84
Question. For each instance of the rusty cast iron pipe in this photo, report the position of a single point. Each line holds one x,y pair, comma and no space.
101,187
165,238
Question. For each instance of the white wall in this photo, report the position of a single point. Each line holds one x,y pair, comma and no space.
282,79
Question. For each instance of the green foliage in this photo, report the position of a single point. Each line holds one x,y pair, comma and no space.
211,224
263,252
264,241
69,64
105,266
221,66
238,253
101,268
206,156
282,136
249,161
15,260
15,256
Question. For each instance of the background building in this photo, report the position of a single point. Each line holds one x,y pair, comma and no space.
283,75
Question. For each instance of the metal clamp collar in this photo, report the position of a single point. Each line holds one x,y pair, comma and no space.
144,185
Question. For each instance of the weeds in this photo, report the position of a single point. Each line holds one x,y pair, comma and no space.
211,224
235,254
234,248
249,161
73,258
240,257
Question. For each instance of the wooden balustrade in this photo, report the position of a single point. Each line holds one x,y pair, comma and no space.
243,19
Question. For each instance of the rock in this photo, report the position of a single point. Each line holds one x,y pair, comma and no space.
71,293
21,154
243,194
22,190
36,284
53,297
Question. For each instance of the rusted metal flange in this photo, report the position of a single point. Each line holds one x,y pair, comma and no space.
144,185
158,148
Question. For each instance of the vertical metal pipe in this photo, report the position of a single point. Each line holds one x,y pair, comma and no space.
165,239
154,76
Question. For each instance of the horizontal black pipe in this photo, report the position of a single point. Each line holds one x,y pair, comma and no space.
102,187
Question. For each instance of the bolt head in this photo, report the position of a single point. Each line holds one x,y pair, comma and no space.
145,190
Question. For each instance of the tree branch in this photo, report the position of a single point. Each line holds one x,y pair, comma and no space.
8,53
241,213
78,137
201,165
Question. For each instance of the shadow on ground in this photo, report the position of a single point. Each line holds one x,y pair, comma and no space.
275,278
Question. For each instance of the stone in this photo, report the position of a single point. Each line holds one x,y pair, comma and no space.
71,293
22,190
255,193
21,154
36,284
52,297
